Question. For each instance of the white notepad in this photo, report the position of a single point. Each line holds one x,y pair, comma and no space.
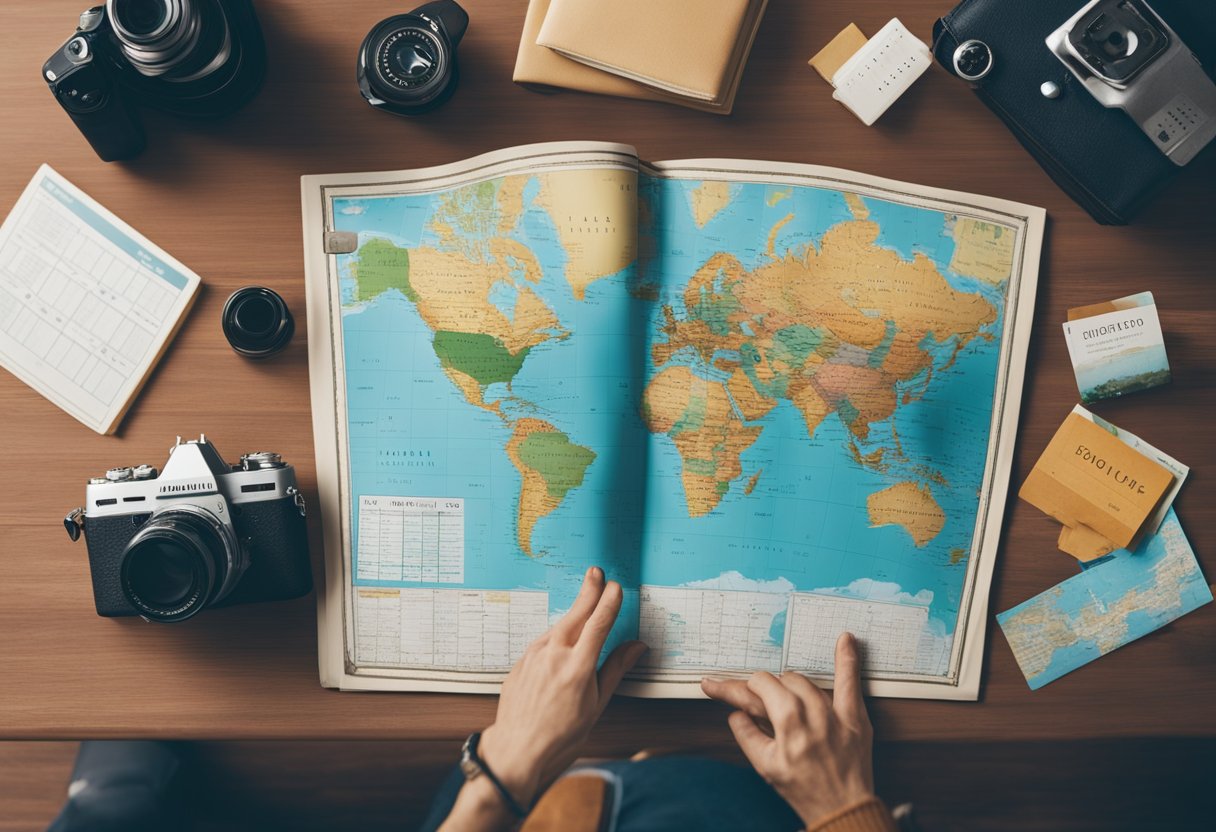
87,303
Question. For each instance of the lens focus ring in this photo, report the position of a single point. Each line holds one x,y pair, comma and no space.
180,562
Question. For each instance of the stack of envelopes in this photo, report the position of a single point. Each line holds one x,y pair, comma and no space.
1106,486
686,52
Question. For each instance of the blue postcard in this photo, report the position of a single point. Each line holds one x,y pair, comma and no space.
1111,603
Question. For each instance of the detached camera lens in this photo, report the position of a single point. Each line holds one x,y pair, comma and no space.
257,322
407,63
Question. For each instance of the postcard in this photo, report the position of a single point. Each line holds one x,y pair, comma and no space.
1117,347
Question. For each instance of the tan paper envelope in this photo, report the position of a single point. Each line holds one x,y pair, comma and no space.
683,47
1088,477
839,49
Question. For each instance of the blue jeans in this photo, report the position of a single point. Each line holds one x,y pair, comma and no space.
670,793
124,787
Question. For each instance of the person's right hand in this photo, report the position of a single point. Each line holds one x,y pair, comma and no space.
814,751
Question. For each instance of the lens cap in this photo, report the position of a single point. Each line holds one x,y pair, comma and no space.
257,322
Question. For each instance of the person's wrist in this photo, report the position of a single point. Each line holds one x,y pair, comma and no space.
814,812
479,806
514,767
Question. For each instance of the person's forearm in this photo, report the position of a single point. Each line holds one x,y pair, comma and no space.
479,808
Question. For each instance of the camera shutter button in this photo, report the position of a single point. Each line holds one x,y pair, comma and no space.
118,474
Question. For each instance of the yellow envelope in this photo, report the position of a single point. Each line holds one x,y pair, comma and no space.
1087,477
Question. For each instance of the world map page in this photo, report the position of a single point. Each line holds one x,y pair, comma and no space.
768,405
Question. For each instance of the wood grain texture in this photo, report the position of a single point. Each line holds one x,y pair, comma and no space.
224,198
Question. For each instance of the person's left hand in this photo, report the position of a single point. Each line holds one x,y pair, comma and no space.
553,696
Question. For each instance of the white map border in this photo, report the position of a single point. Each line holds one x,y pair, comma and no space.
326,356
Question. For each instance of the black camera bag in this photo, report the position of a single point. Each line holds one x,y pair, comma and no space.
1099,156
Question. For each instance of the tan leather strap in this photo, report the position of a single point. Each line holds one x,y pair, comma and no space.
576,803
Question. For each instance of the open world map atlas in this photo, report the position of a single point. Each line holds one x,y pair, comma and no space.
768,402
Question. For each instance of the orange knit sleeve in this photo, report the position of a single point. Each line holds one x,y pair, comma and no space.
869,815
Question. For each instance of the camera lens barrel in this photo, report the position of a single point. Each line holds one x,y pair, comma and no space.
407,63
182,561
165,37
257,322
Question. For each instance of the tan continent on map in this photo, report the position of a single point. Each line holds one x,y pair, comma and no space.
708,199
909,506
982,250
596,216
697,414
453,293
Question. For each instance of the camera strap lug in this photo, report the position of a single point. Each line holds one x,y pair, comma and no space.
74,523
298,497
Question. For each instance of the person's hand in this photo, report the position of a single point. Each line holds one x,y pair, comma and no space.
553,696
814,751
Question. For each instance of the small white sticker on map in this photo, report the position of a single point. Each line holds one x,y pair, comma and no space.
410,539
890,634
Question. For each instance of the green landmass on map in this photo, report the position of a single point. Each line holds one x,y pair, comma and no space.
559,461
481,357
382,266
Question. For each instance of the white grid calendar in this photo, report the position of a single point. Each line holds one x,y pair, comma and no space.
87,304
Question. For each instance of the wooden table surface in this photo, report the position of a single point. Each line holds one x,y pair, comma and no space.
224,199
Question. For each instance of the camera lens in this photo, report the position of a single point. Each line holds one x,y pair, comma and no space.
407,63
257,322
141,17
178,40
162,573
180,562
1118,39
410,58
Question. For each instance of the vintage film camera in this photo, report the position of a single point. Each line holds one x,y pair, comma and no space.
194,58
1129,58
201,534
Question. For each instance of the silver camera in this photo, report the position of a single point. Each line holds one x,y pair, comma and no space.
200,534
1129,58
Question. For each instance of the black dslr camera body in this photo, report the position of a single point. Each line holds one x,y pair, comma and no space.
201,534
193,58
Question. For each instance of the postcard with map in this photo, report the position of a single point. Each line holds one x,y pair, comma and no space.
774,401
1115,601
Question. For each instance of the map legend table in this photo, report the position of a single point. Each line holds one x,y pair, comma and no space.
408,539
